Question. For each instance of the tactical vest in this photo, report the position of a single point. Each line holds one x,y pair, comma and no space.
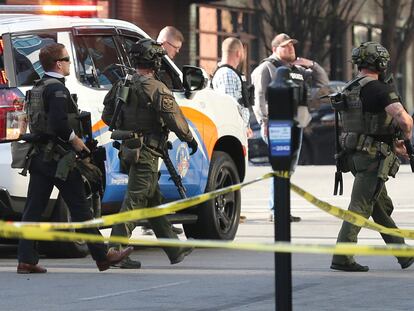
296,75
355,120
247,91
138,114
37,111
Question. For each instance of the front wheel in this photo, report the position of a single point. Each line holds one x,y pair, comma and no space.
218,218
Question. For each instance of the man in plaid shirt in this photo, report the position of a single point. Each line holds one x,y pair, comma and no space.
228,80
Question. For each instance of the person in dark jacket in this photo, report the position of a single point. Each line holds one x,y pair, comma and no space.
52,115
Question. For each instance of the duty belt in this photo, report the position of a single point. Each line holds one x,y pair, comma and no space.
360,142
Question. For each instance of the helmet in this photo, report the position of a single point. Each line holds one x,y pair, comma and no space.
371,55
146,52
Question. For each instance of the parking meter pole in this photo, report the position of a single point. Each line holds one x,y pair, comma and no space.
283,261
283,97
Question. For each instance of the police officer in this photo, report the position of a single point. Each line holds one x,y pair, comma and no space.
52,116
149,113
284,54
371,115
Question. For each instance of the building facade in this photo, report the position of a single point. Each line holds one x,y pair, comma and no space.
205,24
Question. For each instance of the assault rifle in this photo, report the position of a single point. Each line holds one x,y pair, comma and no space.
410,151
338,103
97,154
121,95
389,79
176,178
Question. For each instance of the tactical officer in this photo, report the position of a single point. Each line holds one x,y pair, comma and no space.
148,114
52,116
371,114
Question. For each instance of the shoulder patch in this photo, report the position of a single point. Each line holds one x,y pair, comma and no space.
393,96
61,93
167,103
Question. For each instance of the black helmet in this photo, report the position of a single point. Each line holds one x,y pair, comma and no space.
146,52
371,55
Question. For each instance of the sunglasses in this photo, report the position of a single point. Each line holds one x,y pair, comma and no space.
63,59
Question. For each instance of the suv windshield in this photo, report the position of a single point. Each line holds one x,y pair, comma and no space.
26,50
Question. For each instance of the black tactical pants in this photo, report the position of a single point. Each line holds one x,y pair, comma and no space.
144,191
72,191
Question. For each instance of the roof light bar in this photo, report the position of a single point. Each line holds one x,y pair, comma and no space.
48,8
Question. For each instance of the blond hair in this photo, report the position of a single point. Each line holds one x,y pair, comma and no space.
231,45
170,32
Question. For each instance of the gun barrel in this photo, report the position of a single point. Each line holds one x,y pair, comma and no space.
410,151
174,175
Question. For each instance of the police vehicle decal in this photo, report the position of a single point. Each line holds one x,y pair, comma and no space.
194,169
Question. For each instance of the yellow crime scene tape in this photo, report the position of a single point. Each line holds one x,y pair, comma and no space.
45,231
350,216
33,233
145,213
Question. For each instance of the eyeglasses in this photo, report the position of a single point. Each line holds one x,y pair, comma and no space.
174,46
63,59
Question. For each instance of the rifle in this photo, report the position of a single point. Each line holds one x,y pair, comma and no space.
338,104
410,151
29,137
389,79
98,154
176,178
121,95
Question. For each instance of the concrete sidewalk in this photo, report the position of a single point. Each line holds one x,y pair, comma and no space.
315,287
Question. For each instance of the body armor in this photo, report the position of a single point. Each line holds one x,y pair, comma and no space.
299,75
37,114
355,120
247,90
137,114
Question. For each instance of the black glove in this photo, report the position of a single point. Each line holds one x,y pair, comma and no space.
193,145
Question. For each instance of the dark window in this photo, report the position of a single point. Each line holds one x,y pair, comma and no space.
97,61
26,50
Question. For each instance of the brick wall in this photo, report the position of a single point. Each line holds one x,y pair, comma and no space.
152,16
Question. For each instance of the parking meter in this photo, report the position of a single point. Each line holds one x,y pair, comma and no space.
283,98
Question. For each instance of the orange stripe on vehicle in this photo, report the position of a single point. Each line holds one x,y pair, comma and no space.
98,125
205,127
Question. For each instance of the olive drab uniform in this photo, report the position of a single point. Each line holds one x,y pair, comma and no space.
53,115
367,144
149,111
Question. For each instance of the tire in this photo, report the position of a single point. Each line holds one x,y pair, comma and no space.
219,217
76,249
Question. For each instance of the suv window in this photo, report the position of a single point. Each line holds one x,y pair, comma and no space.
97,59
26,50
166,74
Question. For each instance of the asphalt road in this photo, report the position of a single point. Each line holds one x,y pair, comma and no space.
213,279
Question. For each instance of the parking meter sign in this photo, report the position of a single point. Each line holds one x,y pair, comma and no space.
280,137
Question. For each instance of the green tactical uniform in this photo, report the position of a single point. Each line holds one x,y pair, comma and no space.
367,139
367,148
155,107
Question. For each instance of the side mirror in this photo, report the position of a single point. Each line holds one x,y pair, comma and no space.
194,79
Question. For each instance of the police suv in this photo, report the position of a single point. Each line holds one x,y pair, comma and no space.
98,50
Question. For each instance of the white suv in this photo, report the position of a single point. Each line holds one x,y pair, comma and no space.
96,46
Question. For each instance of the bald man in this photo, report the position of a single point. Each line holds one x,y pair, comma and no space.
228,80
171,39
